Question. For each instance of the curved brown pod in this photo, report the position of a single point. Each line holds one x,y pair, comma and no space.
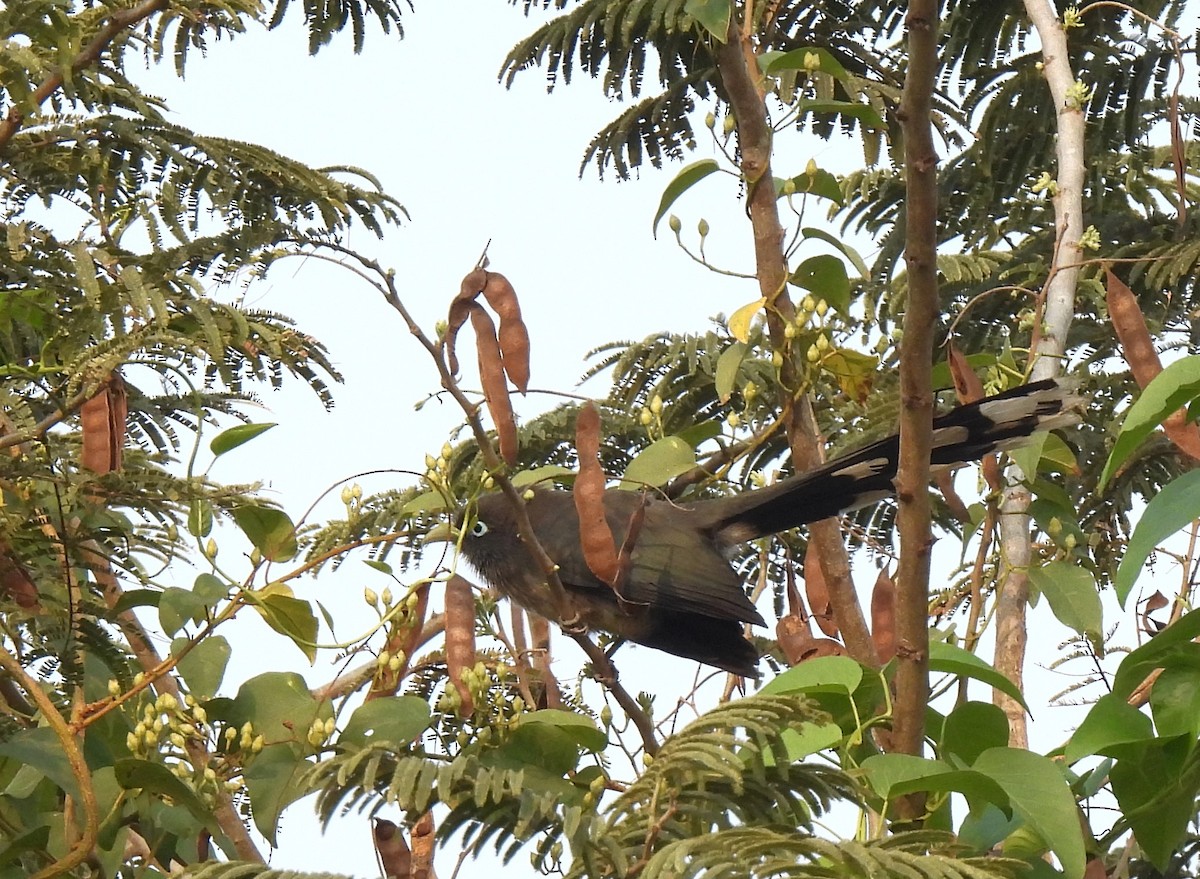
460,637
595,537
514,335
495,384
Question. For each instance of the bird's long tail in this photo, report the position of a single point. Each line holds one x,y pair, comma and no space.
964,434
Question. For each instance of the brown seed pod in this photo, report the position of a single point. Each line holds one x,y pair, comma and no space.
967,386
596,538
1130,325
514,336
460,637
883,615
818,593
794,636
460,310
495,385
403,640
102,420
391,847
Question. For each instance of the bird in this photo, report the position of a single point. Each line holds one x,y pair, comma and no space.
680,593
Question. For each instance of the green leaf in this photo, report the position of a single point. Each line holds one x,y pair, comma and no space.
382,567
177,606
270,530
809,739
1073,595
200,518
1175,700
856,260
686,178
825,674
289,616
394,719
1157,795
949,659
895,775
203,667
972,728
227,440
728,365
581,730
30,841
132,774
825,275
210,589
739,322
132,598
271,784
40,751
279,707
425,502
1172,509
1111,723
658,463
1039,793
699,433
1170,646
864,113
1175,387
546,474
800,59
712,15
817,182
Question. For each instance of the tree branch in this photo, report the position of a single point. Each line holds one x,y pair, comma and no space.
83,846
916,381
117,22
735,63
1057,307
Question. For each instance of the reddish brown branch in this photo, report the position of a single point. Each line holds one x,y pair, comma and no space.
916,384
737,67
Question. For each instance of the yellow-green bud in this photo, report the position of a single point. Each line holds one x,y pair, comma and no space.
710,121
789,186
702,227
729,124
371,597
675,223
645,417
812,62
733,419
386,598
210,549
347,495
114,689
656,405
527,495
822,343
811,168
606,716
813,354
822,307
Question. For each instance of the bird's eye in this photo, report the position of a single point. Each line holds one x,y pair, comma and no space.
479,529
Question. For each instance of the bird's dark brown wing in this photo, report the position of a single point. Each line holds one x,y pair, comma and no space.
674,566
